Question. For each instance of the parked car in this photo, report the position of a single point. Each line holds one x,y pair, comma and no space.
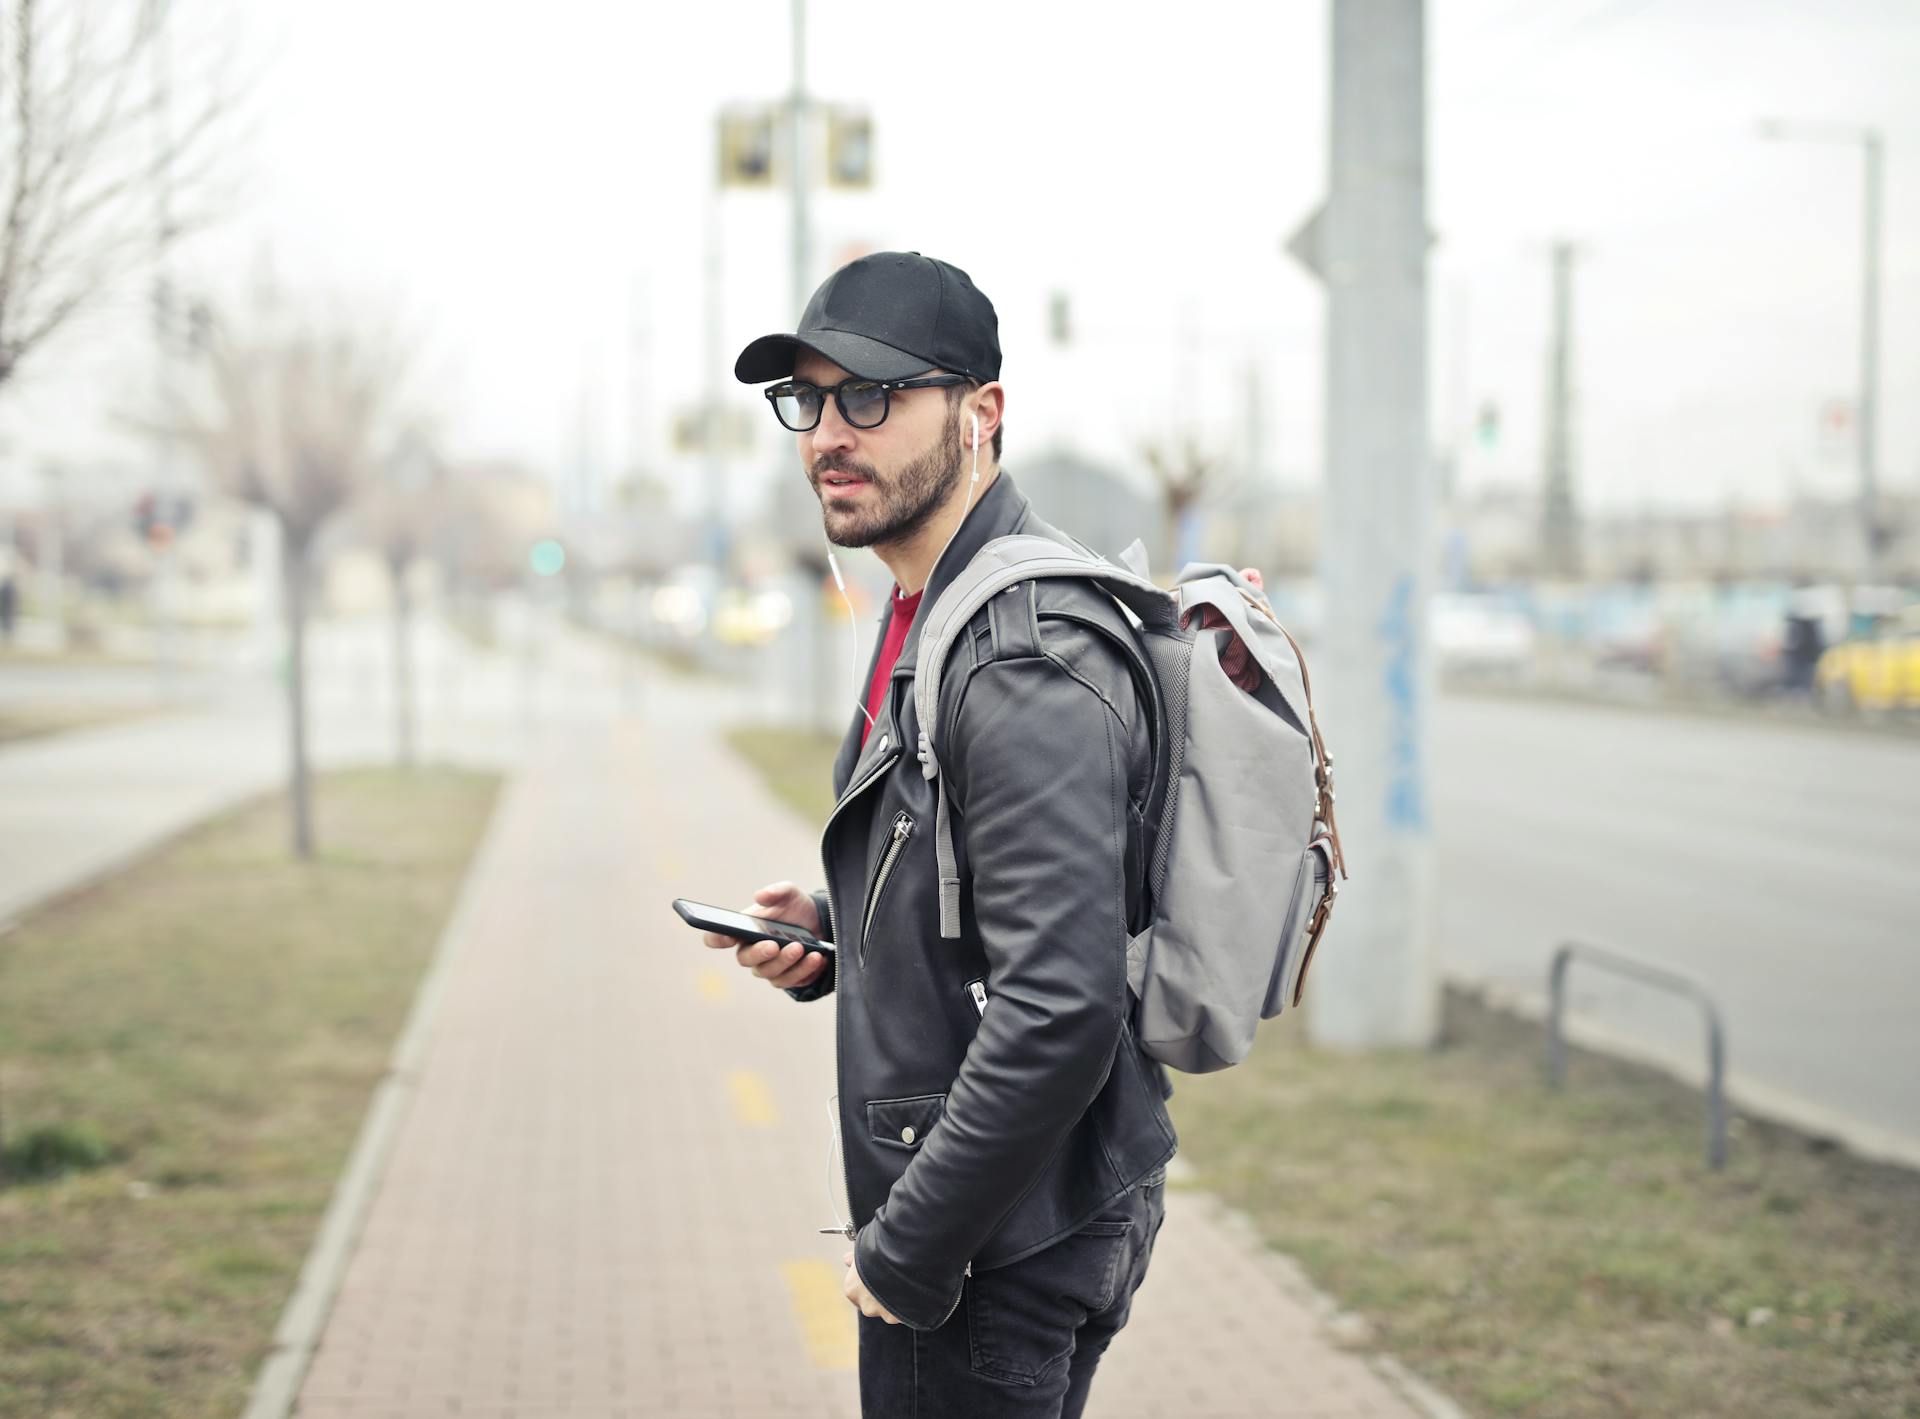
1478,633
1878,671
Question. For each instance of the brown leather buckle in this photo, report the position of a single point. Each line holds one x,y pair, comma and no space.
1325,845
1316,927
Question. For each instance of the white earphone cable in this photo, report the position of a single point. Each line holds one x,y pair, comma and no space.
853,638
833,1149
972,483
853,620
835,1146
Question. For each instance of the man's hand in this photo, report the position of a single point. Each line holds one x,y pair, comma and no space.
1236,659
857,1292
780,966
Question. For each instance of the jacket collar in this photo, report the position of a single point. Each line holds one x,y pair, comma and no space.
999,512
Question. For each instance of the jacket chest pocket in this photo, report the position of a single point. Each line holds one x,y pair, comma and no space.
896,847
904,1123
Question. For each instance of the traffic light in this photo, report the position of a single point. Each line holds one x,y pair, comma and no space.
849,148
1487,426
746,147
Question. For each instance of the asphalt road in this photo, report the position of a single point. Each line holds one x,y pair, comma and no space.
1779,865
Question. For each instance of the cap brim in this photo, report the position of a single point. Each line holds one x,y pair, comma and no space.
771,357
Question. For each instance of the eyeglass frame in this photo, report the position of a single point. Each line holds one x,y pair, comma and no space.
885,386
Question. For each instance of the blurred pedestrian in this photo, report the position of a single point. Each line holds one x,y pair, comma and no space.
9,603
1003,1135
1802,645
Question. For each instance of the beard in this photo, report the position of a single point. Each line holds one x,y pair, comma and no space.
898,505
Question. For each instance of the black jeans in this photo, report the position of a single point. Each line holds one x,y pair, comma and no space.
1025,1338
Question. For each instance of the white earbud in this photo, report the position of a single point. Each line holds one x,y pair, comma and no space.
976,435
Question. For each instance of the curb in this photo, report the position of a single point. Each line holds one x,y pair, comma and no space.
130,857
276,1386
1291,1278
1756,1100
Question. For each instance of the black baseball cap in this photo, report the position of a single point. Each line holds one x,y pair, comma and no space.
886,316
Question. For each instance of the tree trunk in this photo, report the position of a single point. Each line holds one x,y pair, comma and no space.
402,665
298,786
1172,516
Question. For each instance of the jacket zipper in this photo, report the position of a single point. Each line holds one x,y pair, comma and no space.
849,1231
978,990
902,830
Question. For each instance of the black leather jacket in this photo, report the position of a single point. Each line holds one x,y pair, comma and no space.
992,1098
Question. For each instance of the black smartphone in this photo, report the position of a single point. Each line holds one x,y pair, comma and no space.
746,928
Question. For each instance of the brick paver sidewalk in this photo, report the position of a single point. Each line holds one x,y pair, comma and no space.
604,1197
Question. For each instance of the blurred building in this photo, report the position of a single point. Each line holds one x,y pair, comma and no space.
494,511
1496,534
85,534
1089,501
1245,521
1262,523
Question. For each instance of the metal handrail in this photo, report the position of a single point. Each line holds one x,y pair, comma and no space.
1667,980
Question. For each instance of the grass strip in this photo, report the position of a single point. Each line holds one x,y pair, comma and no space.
39,721
796,764
1568,1254
209,1024
1548,1254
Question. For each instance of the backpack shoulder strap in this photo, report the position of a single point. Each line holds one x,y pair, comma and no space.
1002,563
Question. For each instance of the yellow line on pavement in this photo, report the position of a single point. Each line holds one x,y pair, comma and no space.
826,1317
751,1099
714,985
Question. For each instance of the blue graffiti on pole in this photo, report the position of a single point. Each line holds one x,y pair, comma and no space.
1406,805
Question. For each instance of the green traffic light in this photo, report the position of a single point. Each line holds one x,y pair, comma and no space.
547,557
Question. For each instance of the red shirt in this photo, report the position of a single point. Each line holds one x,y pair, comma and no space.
901,622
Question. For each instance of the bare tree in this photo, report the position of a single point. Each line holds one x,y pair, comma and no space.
1184,476
103,164
300,413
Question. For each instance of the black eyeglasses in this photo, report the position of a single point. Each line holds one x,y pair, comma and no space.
863,402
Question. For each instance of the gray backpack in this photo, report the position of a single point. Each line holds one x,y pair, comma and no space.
1244,847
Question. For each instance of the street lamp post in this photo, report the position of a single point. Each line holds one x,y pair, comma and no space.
800,236
1873,152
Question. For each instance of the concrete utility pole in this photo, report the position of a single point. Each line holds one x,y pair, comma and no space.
1560,520
1373,982
1873,155
801,233
719,536
825,669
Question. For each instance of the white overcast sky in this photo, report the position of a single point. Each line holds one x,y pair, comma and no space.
530,185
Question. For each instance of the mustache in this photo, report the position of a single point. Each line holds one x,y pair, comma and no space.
842,463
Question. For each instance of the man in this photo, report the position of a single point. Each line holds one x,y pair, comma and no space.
1004,1137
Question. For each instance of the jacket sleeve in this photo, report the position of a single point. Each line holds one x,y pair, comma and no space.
814,990
1037,766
